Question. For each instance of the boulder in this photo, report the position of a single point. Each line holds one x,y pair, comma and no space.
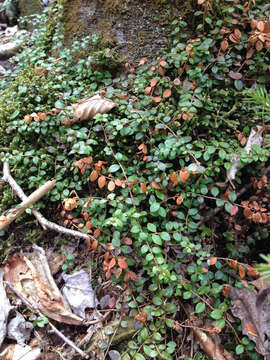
135,28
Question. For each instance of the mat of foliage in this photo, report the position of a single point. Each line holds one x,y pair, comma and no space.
149,177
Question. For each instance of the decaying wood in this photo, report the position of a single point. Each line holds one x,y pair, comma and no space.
45,224
13,214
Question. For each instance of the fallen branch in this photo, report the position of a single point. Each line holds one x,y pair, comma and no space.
34,308
45,224
32,199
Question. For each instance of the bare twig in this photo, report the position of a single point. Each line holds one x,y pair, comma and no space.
45,224
32,199
34,308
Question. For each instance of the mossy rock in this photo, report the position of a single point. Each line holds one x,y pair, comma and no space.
134,28
30,7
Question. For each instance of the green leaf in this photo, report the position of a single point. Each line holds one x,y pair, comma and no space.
200,307
59,105
151,227
165,236
214,191
232,196
216,314
149,351
239,349
113,168
157,300
156,239
154,207
139,357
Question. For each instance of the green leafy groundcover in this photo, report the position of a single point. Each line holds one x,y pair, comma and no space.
160,157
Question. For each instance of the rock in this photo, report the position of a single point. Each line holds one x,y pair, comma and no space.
134,28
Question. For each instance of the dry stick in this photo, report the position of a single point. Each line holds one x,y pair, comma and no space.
45,224
238,194
34,308
32,199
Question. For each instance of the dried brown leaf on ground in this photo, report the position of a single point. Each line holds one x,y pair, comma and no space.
254,311
211,345
30,275
18,352
88,108
4,309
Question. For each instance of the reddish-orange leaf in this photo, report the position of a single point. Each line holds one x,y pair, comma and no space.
122,263
117,272
253,23
233,39
63,213
260,25
226,290
213,260
157,99
237,34
111,263
94,245
256,217
96,233
233,264
224,45
142,61
93,175
266,29
234,210
88,225
251,271
143,187
143,148
155,185
101,181
153,82
251,329
88,242
250,53
173,178
130,275
108,274
259,45
167,93
118,182
200,2
184,175
112,301
111,185
179,199
85,216
163,63
41,115
106,256
241,271
148,90
247,213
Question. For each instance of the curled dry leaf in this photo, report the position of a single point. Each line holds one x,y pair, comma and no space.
184,175
30,275
70,204
111,185
253,310
260,25
101,181
153,82
88,108
93,175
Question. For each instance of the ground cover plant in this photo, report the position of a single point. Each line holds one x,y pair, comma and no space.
149,179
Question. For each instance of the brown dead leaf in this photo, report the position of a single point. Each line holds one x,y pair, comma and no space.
30,276
253,310
88,108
